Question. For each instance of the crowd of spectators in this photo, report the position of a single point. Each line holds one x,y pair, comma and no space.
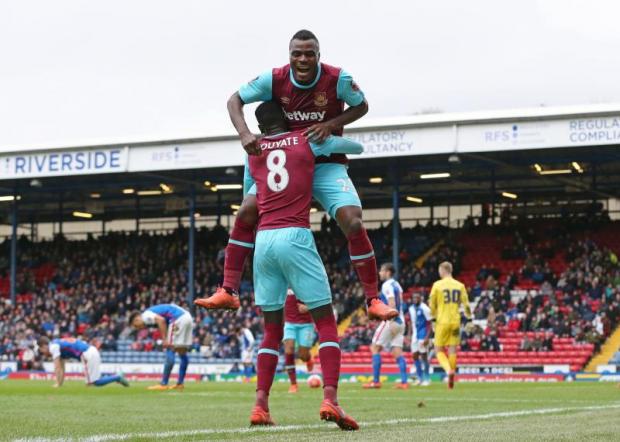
95,283
582,302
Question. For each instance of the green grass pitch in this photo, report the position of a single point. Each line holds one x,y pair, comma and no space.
32,410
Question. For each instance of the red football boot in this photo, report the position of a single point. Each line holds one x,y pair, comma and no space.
221,299
260,417
334,413
379,310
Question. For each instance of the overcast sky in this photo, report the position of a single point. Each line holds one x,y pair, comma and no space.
79,72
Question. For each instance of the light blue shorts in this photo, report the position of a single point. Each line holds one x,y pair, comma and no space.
286,258
302,334
332,188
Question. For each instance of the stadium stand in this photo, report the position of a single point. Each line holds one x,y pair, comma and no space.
544,292
86,288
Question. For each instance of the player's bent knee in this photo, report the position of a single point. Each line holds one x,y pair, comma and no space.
304,354
289,346
350,219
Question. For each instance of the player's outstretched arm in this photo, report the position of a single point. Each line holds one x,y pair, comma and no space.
348,91
249,141
319,132
258,89
334,144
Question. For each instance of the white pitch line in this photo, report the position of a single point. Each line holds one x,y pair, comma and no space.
284,428
480,399
425,396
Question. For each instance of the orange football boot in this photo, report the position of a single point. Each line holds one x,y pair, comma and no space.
260,417
158,387
178,387
372,385
379,310
334,413
221,299
293,388
402,386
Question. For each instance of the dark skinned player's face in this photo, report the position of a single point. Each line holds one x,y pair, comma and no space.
304,58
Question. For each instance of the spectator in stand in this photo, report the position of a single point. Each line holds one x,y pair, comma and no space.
526,344
537,343
490,342
482,273
547,343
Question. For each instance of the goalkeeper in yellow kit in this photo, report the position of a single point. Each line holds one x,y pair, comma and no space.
447,297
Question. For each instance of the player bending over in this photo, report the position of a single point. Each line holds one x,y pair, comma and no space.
313,96
175,325
447,297
286,255
70,348
247,341
389,334
421,329
298,331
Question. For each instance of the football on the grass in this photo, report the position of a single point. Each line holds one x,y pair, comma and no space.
314,381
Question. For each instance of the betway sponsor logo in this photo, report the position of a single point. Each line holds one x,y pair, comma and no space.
305,116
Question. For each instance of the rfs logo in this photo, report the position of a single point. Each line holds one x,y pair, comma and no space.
320,99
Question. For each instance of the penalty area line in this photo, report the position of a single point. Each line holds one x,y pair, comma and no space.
284,428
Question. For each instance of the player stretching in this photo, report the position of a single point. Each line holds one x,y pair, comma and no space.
389,333
447,296
175,326
313,96
246,339
421,329
298,331
69,348
286,255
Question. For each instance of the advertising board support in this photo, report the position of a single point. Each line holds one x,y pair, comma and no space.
191,287
13,282
493,196
137,214
219,210
395,224
61,208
